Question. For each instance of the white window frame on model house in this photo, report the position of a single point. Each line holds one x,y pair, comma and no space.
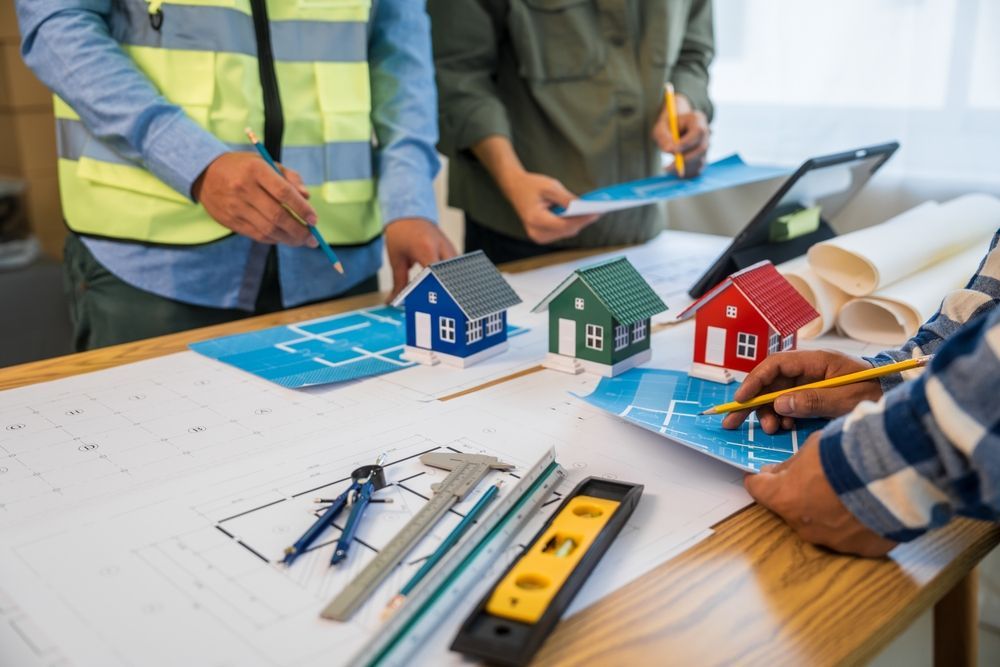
446,329
773,342
432,297
787,343
474,331
494,324
621,337
595,337
746,345
578,303
731,312
639,331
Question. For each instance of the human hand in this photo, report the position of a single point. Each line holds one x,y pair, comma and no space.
799,492
532,195
789,369
692,127
410,241
241,192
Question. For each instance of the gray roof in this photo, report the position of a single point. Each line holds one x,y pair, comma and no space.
473,282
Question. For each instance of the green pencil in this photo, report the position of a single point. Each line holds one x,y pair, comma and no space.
443,548
330,254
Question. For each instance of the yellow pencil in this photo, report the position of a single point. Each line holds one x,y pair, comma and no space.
671,101
850,378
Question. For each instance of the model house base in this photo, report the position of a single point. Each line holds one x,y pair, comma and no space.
715,373
430,358
574,366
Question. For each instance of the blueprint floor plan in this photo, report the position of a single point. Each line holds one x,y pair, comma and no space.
669,402
343,347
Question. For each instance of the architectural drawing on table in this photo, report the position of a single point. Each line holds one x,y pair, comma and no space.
738,323
599,319
456,311
670,404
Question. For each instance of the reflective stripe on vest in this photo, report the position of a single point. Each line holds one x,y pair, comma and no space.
202,58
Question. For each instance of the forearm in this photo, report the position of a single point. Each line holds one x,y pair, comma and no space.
69,47
404,110
690,73
497,155
929,449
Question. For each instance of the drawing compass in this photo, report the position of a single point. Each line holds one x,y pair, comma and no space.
365,481
466,471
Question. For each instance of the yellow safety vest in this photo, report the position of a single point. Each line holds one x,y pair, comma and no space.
202,56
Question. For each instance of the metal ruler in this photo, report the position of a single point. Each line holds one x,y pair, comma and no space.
428,607
467,470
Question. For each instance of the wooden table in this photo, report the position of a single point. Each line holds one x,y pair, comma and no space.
753,593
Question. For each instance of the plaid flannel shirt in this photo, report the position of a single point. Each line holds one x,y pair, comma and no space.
930,448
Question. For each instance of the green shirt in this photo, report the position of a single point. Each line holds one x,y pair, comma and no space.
576,85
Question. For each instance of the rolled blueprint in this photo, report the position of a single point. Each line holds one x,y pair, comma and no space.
867,260
893,314
824,297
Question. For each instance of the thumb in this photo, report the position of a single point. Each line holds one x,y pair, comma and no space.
763,487
557,193
805,403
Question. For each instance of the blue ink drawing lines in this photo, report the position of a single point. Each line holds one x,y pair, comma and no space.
333,349
668,402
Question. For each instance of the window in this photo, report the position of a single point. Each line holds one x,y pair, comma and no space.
731,312
746,346
787,343
639,331
773,341
595,337
474,331
578,302
494,324
432,297
621,337
446,329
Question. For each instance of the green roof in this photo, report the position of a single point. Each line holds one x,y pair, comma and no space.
619,287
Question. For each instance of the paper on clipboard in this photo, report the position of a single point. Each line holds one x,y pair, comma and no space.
726,173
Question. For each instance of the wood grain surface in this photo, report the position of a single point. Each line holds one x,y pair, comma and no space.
753,593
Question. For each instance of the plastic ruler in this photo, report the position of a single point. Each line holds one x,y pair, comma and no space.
428,607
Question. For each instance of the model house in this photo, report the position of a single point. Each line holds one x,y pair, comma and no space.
599,319
749,315
456,311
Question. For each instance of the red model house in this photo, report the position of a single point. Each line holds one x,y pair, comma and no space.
746,317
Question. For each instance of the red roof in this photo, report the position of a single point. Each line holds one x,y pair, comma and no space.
784,308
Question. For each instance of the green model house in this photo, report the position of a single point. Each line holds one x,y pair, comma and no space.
599,319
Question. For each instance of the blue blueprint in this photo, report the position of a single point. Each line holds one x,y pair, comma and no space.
344,347
726,173
668,403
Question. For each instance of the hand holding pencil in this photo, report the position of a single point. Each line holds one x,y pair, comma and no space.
683,132
812,383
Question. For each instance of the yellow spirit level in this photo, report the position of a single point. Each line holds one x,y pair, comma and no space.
512,621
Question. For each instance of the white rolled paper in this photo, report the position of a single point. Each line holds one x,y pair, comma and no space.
823,296
893,314
862,262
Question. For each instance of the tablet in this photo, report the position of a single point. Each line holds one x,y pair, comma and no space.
782,229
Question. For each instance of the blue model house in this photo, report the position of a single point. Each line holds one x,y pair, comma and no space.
456,311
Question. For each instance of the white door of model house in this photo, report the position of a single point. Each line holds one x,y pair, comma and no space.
567,337
423,325
715,346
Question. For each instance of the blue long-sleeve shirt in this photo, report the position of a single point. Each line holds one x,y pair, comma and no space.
930,449
68,45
